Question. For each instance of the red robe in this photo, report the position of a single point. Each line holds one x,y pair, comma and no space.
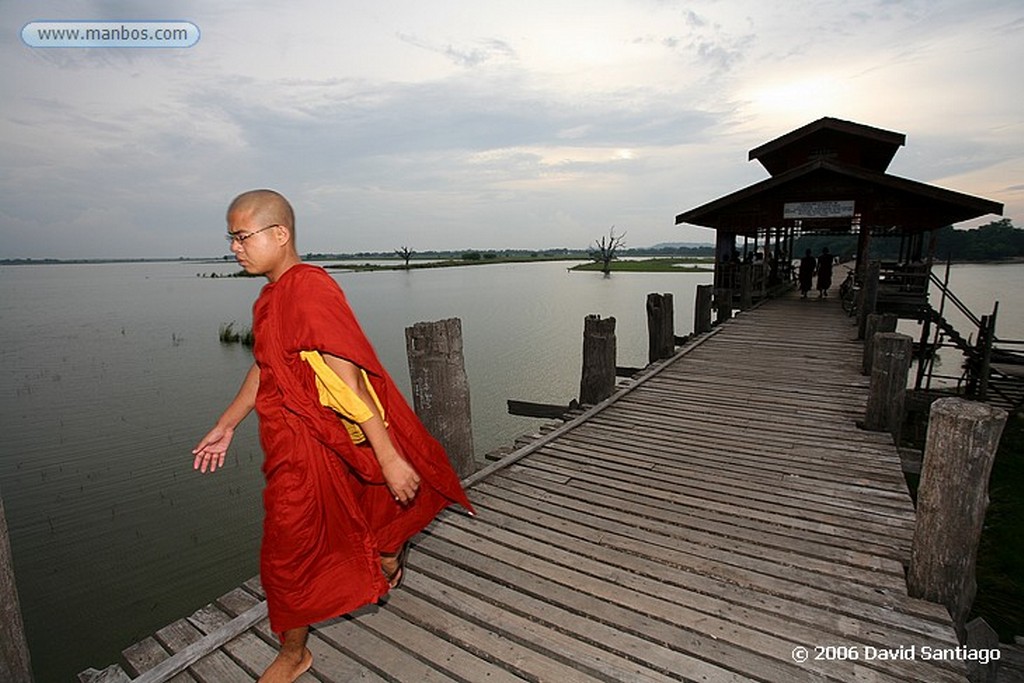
328,512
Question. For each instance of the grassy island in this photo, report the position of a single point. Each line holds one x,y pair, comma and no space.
471,259
652,265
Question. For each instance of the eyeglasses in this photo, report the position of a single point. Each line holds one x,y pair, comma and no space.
239,237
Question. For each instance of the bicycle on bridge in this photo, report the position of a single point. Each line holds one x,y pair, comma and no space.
849,292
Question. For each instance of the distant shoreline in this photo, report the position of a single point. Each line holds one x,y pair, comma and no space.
101,261
426,259
419,262
399,264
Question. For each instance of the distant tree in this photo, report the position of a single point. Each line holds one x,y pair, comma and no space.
405,253
605,249
990,242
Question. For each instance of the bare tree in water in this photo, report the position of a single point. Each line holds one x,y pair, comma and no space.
604,251
405,253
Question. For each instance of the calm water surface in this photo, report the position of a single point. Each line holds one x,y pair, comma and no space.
111,373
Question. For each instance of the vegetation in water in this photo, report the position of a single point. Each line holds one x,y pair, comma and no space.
214,275
230,335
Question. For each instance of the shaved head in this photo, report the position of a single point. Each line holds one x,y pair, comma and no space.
261,227
266,206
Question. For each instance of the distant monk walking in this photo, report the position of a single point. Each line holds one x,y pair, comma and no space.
824,272
346,485
806,274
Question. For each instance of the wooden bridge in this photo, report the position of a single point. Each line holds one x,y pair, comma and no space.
720,518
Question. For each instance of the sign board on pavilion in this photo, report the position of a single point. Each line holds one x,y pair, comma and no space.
836,209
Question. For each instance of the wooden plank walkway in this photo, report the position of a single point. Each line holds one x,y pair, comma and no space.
703,525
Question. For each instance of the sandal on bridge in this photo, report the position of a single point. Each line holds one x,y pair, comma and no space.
397,576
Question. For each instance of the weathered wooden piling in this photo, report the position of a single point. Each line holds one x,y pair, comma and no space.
660,327
440,388
15,665
702,309
876,322
951,500
746,286
986,336
723,304
598,377
887,393
868,297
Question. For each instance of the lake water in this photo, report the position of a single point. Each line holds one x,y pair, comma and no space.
111,372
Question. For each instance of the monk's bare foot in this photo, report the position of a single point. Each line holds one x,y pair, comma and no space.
393,566
289,665
389,564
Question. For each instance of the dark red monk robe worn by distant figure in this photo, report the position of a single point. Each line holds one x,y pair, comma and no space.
328,512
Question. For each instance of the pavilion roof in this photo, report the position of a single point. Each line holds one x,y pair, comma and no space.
832,164
830,138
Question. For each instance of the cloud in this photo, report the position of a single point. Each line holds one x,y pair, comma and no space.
495,125
722,56
487,50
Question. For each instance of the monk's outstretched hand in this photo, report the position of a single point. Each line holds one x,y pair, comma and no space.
210,452
401,478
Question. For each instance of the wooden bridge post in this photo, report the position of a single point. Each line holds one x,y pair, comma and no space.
876,322
746,286
723,304
661,332
440,389
887,393
951,500
868,297
702,309
598,380
923,350
986,335
15,665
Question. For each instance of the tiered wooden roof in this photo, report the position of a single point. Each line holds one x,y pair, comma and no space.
831,160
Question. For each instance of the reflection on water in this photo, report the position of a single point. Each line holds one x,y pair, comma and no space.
112,372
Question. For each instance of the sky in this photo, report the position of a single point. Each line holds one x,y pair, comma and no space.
451,124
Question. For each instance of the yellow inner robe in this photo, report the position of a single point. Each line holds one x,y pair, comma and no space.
341,398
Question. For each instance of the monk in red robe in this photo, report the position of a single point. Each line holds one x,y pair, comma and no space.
346,485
